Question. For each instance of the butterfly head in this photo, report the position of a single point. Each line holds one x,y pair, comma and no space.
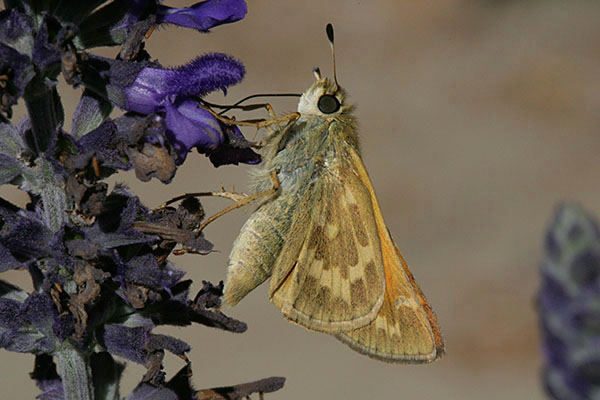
324,98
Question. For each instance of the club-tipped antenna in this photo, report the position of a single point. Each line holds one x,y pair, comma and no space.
329,31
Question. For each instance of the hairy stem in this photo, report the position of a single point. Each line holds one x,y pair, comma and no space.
75,372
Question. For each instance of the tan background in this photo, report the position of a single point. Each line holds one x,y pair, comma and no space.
477,118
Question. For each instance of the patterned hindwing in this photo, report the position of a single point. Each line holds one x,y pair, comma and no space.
329,276
405,329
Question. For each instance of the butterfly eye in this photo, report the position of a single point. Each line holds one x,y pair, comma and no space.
328,104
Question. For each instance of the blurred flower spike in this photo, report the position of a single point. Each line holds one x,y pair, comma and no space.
98,258
569,305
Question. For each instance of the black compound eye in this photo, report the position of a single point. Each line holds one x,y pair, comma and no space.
328,104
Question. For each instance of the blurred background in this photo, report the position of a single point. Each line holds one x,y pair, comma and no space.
477,118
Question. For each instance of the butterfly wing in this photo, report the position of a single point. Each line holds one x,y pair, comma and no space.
405,329
329,276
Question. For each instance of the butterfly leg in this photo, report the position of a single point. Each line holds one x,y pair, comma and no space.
226,195
256,123
240,199
246,200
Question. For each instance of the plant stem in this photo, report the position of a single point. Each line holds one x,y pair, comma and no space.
75,372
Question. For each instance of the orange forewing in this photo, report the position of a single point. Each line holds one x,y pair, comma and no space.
405,329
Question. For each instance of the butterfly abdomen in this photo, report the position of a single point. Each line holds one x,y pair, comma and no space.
254,252
262,237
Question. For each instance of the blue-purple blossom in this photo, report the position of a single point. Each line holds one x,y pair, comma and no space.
26,326
201,16
189,126
16,71
24,238
137,343
569,305
169,91
169,95
156,87
125,23
17,31
204,15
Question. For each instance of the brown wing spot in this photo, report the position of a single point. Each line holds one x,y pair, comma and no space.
323,295
359,293
322,253
309,290
359,228
344,272
373,284
310,284
318,242
340,307
316,237
350,251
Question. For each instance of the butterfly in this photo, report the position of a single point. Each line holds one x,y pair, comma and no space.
322,241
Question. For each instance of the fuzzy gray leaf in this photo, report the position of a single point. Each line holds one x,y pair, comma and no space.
91,111
11,143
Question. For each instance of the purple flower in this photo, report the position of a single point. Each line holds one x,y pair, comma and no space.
16,72
204,15
189,126
136,343
26,326
24,238
16,31
569,305
126,22
201,16
169,91
155,87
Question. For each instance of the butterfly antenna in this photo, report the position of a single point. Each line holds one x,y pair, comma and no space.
329,30
238,103
317,73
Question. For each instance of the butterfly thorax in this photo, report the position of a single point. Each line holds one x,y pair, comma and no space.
311,145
